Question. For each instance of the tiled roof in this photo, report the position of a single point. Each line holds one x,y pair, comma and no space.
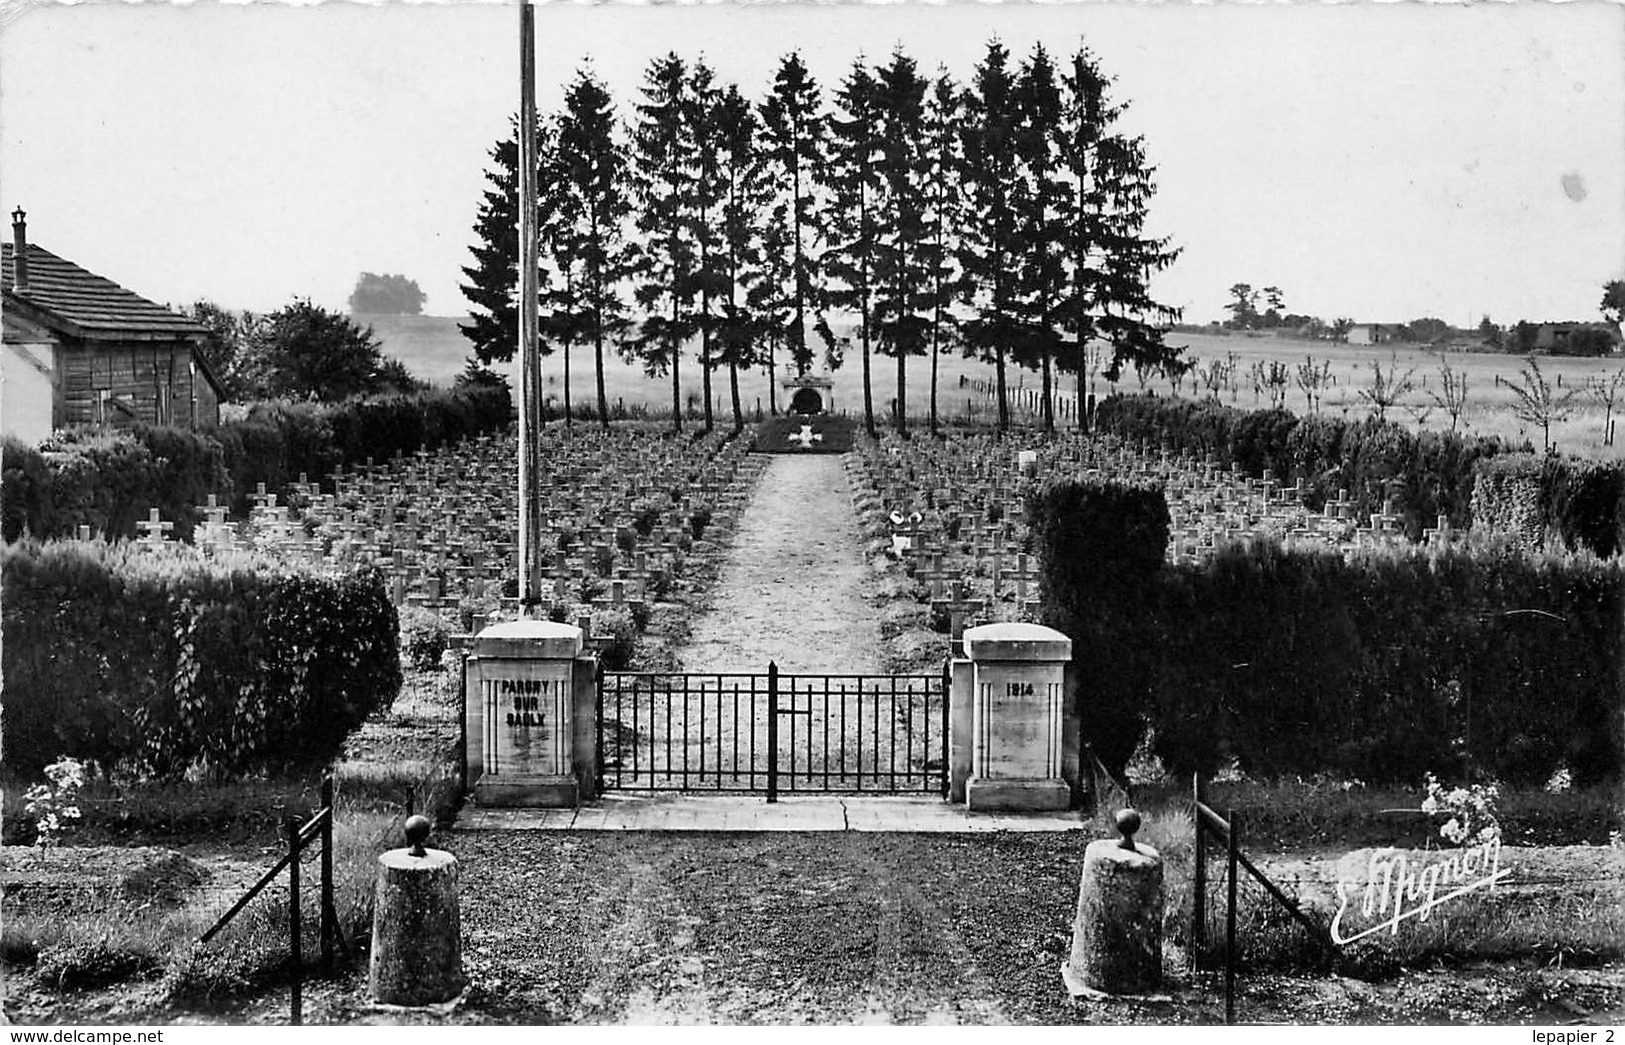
89,304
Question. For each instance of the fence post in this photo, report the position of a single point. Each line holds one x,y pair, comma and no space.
294,956
1199,877
1230,923
772,731
329,910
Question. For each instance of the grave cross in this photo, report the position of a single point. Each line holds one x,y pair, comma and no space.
154,529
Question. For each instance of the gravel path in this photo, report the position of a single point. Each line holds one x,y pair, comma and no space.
794,587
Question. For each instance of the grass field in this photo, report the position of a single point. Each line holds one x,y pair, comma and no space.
434,349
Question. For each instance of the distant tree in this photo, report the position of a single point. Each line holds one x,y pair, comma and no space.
1522,341
1313,379
1387,387
1488,332
1340,329
386,295
1451,395
1606,391
1613,301
1272,309
1427,329
1243,307
302,351
1539,403
665,259
1585,341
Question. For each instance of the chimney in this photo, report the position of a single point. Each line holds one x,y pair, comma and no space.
19,244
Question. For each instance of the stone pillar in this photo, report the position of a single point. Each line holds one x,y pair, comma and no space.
1117,936
961,723
523,712
1017,745
417,951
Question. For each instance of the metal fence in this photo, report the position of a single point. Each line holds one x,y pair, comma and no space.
773,732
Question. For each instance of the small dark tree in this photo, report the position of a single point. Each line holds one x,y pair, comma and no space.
1451,396
1613,301
1606,391
852,178
226,334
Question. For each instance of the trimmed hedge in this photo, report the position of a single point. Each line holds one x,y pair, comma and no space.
1576,502
1468,661
1428,473
108,479
160,663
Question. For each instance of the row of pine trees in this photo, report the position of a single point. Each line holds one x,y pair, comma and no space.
1000,218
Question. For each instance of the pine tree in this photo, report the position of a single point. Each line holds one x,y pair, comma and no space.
665,258
708,134
990,245
1040,197
493,280
900,277
792,142
743,209
595,167
564,319
942,158
1109,257
853,183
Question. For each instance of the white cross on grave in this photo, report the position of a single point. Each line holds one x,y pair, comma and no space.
806,437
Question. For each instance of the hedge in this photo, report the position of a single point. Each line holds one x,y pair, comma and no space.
159,663
1574,502
108,479
1427,474
1480,660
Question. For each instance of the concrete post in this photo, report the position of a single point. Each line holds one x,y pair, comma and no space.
1017,744
527,741
1117,935
417,956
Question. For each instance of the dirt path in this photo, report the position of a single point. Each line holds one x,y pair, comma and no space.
794,587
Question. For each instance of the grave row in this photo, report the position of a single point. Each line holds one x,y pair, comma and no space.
624,510
956,510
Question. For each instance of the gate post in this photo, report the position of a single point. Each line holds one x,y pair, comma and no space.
1017,747
531,742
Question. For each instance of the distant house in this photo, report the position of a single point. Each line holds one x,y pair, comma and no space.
80,348
1377,333
1554,337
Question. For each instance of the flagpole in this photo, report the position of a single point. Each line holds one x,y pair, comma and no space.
530,414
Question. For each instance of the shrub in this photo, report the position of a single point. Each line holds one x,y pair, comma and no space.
1474,660
618,633
160,662
1576,502
423,638
109,479
1426,474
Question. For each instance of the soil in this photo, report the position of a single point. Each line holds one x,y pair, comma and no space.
794,587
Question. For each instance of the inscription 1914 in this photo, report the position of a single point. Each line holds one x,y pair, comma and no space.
1018,689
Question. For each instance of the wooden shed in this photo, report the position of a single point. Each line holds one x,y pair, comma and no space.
114,356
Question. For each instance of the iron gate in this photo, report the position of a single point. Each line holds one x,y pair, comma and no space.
773,732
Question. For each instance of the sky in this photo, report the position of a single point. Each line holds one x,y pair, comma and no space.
1377,161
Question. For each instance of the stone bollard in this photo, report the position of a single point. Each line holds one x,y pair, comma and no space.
417,954
1117,937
